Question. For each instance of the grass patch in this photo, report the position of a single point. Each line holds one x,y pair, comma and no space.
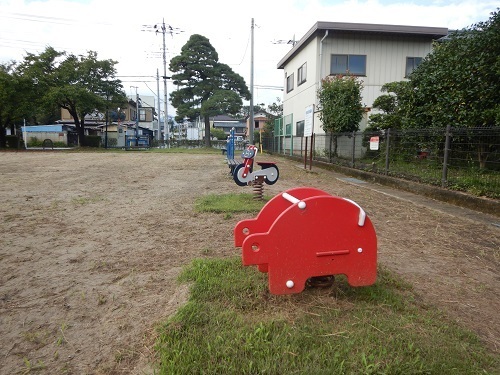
80,201
232,325
229,203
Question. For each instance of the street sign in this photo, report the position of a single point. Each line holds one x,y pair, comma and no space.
308,121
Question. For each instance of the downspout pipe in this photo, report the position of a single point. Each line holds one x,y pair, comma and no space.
321,59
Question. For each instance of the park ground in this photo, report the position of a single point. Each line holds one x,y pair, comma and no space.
92,244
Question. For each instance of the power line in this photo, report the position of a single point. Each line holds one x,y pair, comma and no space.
293,42
53,20
267,87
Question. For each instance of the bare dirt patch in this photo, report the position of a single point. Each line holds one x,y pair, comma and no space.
92,244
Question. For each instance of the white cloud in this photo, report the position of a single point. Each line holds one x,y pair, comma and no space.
115,30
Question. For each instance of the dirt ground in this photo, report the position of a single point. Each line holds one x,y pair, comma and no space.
91,245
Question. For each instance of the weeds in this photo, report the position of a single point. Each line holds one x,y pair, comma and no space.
30,367
62,338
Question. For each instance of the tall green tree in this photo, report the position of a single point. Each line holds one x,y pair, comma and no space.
340,105
206,87
80,84
9,96
459,82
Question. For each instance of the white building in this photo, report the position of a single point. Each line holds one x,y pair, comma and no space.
377,54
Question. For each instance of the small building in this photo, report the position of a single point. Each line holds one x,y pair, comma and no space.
62,134
259,122
226,123
377,54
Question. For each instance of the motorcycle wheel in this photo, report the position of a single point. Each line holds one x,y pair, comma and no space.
275,177
237,175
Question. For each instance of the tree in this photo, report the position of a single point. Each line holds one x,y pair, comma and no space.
274,111
458,84
218,133
206,87
393,107
245,110
459,81
340,105
222,101
9,95
80,84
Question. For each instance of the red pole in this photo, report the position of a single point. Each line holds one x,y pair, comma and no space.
311,154
305,156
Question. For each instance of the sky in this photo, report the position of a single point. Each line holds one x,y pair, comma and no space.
124,31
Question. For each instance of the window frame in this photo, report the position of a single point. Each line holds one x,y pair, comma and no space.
302,74
348,65
290,83
142,114
414,64
299,128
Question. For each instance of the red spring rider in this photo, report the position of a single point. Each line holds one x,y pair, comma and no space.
243,173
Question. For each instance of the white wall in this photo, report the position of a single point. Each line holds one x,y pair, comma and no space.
385,57
304,95
385,62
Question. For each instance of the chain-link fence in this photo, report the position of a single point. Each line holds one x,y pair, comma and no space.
465,159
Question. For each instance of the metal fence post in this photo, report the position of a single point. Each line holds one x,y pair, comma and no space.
353,148
444,178
330,158
387,147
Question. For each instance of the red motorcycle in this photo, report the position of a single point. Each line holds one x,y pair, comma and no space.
243,173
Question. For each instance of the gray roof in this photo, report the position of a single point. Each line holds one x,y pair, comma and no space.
320,28
227,124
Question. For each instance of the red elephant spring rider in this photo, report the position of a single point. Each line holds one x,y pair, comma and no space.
307,233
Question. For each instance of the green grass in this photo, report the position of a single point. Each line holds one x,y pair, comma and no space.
229,203
232,325
474,181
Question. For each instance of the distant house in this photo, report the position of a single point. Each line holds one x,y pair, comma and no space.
226,123
147,114
377,54
121,123
259,122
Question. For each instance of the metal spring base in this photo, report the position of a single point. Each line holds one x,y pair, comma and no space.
320,281
258,188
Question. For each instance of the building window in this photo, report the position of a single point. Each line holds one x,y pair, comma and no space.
352,64
299,129
142,115
411,65
302,74
289,83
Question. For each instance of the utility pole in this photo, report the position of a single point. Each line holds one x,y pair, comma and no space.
136,116
158,136
164,31
251,121
165,93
